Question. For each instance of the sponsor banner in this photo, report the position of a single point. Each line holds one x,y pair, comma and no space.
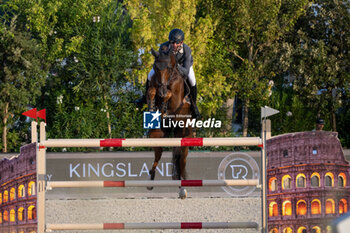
135,166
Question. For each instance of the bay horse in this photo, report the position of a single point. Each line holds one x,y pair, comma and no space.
168,94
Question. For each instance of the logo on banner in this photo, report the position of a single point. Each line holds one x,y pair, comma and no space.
151,120
239,166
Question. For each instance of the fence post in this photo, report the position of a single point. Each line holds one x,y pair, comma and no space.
265,134
41,180
34,131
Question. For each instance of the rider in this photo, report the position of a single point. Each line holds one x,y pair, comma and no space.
185,67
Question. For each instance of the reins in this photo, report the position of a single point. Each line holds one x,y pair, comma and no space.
169,80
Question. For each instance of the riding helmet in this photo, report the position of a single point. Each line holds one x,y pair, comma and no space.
176,35
320,121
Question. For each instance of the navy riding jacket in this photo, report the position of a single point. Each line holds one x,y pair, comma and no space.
183,57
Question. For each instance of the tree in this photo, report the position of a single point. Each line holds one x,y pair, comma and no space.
247,30
21,74
317,57
89,84
152,22
54,23
100,68
294,114
343,121
75,90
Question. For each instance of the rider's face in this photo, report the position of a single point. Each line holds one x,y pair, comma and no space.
177,45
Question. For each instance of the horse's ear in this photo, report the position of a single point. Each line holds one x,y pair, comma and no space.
154,53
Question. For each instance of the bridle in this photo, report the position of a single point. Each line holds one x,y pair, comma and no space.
171,77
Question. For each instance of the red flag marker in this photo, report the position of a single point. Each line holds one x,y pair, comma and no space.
42,114
31,113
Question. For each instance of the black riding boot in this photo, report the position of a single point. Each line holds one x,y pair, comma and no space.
194,108
140,102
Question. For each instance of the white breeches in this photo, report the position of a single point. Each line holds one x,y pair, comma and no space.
191,77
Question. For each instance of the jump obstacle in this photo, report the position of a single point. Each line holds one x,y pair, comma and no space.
152,225
147,183
152,142
43,185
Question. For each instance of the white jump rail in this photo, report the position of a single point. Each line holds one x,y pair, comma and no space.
153,142
42,183
161,225
147,183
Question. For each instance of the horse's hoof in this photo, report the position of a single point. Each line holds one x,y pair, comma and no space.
183,193
151,175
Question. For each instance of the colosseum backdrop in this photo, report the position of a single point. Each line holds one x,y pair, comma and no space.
18,192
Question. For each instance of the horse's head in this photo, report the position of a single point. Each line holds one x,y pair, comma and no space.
164,67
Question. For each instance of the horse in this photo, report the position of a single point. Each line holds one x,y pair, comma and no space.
168,93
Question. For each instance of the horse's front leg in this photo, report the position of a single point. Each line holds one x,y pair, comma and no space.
157,155
183,162
164,107
179,167
151,99
180,156
157,133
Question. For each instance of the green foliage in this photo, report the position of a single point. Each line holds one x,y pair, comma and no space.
214,84
93,70
21,78
152,22
316,56
89,90
343,121
246,30
84,118
294,116
55,23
